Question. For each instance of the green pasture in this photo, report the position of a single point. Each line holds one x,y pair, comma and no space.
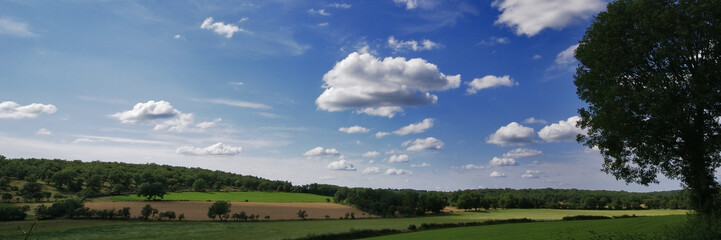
623,228
106,229
274,197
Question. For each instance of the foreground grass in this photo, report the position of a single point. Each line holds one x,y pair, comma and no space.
623,228
274,197
99,229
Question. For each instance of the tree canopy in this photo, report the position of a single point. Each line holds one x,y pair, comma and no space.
221,209
649,71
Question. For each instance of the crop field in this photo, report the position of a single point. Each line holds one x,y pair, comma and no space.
268,197
107,229
197,211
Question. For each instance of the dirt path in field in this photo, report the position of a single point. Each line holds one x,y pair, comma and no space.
199,210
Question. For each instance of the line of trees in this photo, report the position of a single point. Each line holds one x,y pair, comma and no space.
153,181
91,179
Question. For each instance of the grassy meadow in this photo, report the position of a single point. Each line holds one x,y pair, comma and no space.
622,228
111,229
270,197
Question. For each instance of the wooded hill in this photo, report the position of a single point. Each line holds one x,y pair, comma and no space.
92,179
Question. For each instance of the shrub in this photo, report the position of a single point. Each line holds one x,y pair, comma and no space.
584,217
12,213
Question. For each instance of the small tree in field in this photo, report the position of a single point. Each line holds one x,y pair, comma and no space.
147,211
302,214
219,209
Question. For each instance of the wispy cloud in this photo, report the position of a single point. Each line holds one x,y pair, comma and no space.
235,103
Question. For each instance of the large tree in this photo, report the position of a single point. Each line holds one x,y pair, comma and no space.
221,209
650,73
151,190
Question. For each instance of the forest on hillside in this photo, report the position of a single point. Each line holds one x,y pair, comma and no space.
36,178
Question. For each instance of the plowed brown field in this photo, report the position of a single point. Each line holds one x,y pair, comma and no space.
199,210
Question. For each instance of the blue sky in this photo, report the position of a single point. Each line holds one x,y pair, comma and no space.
438,95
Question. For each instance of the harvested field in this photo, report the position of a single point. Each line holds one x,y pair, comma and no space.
198,210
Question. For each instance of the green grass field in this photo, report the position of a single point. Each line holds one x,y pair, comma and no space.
648,227
104,229
274,197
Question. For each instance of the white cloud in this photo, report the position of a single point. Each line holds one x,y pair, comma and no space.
562,131
148,111
218,149
11,27
221,28
471,167
429,143
235,103
321,12
512,134
236,83
371,154
320,151
531,17
92,139
341,165
413,4
489,81
399,45
44,132
496,174
10,109
531,174
399,158
382,134
340,5
163,115
533,120
522,152
323,24
567,56
178,36
371,170
204,125
354,129
420,165
388,112
496,161
495,40
415,127
364,81
537,56
396,171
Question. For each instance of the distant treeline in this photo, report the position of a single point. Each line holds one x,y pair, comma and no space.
90,179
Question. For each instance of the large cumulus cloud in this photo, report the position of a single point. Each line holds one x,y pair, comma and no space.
362,81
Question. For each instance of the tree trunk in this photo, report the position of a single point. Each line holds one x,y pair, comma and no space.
698,174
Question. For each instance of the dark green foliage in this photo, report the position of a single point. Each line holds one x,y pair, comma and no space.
302,214
584,217
200,185
104,178
124,213
698,227
7,197
151,190
146,211
563,198
170,215
650,72
63,178
12,213
219,209
70,208
353,234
